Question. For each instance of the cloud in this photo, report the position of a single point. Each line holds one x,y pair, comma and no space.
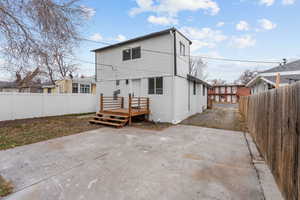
88,13
172,7
243,41
96,37
162,20
267,2
120,38
266,24
220,24
205,37
288,2
242,26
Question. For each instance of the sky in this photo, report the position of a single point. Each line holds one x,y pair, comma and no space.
263,30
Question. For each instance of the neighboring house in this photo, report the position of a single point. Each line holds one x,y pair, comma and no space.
155,66
266,80
32,87
228,93
82,85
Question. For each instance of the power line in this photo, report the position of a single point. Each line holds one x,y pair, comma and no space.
199,56
114,66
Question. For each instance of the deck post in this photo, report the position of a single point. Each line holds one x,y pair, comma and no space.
129,109
122,102
148,108
139,102
101,102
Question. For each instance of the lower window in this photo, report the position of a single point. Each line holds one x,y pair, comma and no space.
155,85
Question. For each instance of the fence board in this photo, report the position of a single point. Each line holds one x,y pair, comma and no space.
30,105
273,120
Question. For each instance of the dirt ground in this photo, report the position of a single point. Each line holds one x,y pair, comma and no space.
222,116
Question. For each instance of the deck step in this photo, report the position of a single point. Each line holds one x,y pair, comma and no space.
110,119
106,123
111,114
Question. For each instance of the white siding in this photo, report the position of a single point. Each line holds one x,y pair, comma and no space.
150,64
182,61
182,97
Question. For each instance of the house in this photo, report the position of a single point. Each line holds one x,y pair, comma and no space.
156,66
266,80
32,87
72,85
228,93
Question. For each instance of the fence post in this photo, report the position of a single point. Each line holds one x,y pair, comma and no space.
101,102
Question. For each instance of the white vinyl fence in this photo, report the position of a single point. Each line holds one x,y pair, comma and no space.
29,105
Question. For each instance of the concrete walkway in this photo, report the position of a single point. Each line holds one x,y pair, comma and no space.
181,162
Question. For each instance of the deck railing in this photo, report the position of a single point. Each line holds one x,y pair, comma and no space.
133,103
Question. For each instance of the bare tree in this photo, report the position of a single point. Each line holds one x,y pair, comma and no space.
246,76
197,68
39,34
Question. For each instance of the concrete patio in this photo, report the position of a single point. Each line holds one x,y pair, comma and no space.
181,162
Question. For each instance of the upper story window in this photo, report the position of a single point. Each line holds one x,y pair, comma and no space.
194,87
136,52
127,54
155,85
182,49
133,53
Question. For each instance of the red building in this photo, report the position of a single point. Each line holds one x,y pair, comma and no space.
227,93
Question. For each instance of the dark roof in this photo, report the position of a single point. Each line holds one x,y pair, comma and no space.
151,35
292,66
193,78
7,84
285,79
228,85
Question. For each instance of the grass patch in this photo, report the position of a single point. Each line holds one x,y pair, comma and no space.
27,131
6,187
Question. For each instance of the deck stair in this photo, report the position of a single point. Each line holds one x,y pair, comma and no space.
110,119
113,112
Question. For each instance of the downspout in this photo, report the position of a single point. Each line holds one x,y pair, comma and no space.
189,87
175,54
173,79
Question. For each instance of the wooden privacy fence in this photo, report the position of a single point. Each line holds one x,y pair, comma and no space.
273,120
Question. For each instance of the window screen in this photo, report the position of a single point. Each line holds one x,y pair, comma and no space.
159,85
136,53
74,87
151,86
127,54
155,85
182,49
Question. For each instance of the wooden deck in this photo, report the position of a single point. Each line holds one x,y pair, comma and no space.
123,111
114,112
